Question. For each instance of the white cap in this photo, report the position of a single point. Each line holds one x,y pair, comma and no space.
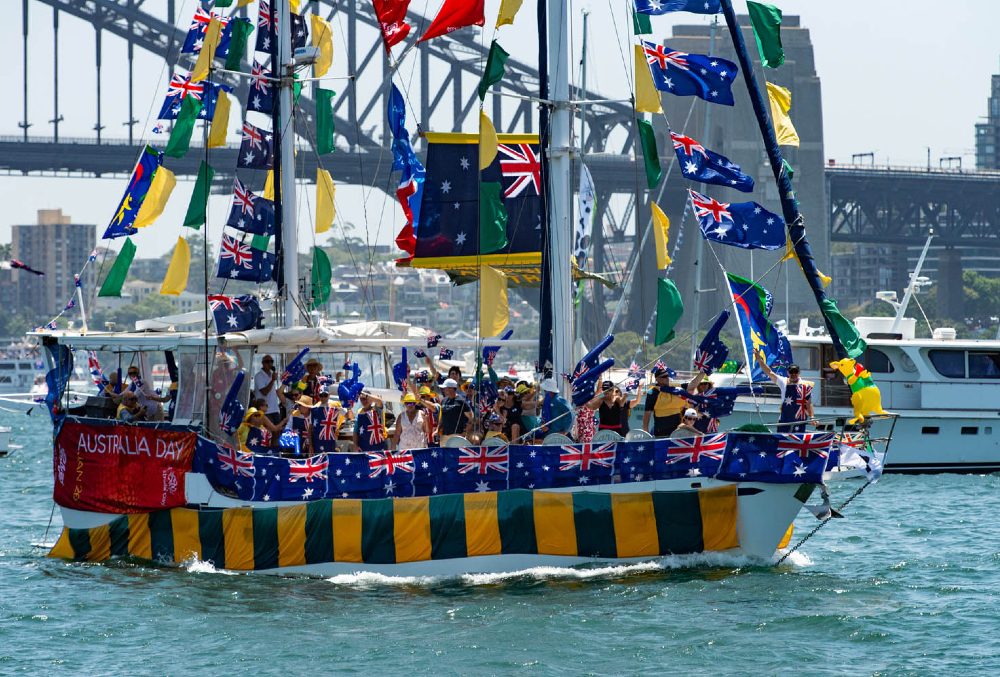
549,385
449,383
690,412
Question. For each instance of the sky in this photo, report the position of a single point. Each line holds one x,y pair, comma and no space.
896,78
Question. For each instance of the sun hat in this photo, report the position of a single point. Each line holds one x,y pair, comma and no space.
449,383
305,401
521,389
425,390
250,412
549,385
409,398
690,412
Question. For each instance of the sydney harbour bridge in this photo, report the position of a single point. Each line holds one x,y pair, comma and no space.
440,79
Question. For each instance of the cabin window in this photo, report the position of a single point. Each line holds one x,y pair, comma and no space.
970,430
929,430
807,358
984,365
949,363
879,362
8,365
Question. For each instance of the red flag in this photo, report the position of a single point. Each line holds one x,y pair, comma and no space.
407,241
512,371
455,14
392,18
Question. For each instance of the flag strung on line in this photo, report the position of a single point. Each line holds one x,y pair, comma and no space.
235,313
661,231
326,209
508,10
657,7
752,305
325,123
322,37
494,70
410,190
250,213
738,224
647,98
198,205
238,261
781,102
156,198
180,137
707,77
585,216
256,149
260,97
650,154
180,87
195,38
119,270
207,53
392,21
176,278
320,278
455,14
17,265
300,34
237,48
138,186
700,164
766,23
220,122
267,25
669,308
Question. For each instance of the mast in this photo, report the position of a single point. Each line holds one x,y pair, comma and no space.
545,292
789,208
285,136
560,175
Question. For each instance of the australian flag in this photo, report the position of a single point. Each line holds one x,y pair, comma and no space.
664,6
261,95
250,213
698,456
181,86
776,458
232,411
683,74
700,164
199,26
300,34
257,148
267,24
448,223
712,352
235,313
753,305
138,185
240,261
739,224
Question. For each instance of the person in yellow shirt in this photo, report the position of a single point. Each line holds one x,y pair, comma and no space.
494,428
250,420
665,408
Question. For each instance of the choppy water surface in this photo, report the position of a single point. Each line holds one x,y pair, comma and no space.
907,584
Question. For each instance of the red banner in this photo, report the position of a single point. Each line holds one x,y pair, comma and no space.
121,468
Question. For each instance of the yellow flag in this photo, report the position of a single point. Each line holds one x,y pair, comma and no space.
487,141
293,5
212,36
508,9
220,121
156,199
661,227
493,311
790,254
325,208
243,3
322,37
269,185
781,102
177,274
647,99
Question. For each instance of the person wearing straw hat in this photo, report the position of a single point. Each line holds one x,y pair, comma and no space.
298,422
431,409
413,427
251,422
311,379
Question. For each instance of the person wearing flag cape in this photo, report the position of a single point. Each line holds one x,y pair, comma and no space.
796,397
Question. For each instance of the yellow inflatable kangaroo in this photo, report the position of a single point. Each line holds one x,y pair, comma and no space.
865,396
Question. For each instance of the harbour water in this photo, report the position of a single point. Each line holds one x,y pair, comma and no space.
908,583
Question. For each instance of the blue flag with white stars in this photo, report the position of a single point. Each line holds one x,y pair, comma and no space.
181,86
239,261
256,148
448,220
700,164
235,313
739,224
707,77
664,6
250,213
199,27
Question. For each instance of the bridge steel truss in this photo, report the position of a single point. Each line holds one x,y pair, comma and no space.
900,206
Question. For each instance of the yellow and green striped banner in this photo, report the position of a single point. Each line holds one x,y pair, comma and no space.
397,530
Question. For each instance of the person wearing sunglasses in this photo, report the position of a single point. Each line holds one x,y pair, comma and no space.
413,426
686,427
265,386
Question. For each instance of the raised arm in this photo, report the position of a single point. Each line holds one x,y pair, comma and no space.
762,361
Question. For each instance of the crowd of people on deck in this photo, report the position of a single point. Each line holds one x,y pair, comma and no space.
307,416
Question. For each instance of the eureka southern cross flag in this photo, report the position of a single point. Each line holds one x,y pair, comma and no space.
740,224
664,6
700,164
683,74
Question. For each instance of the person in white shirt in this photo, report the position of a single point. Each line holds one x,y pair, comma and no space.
146,396
265,386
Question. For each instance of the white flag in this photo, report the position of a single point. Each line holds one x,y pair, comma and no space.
585,217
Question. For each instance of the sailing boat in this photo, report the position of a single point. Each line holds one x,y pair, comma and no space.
188,488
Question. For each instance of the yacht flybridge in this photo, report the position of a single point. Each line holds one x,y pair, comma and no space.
190,483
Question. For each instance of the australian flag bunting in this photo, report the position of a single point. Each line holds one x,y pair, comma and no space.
739,224
683,74
267,23
776,458
240,261
138,185
700,164
235,313
449,210
257,148
663,6
181,86
250,213
261,94
199,26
